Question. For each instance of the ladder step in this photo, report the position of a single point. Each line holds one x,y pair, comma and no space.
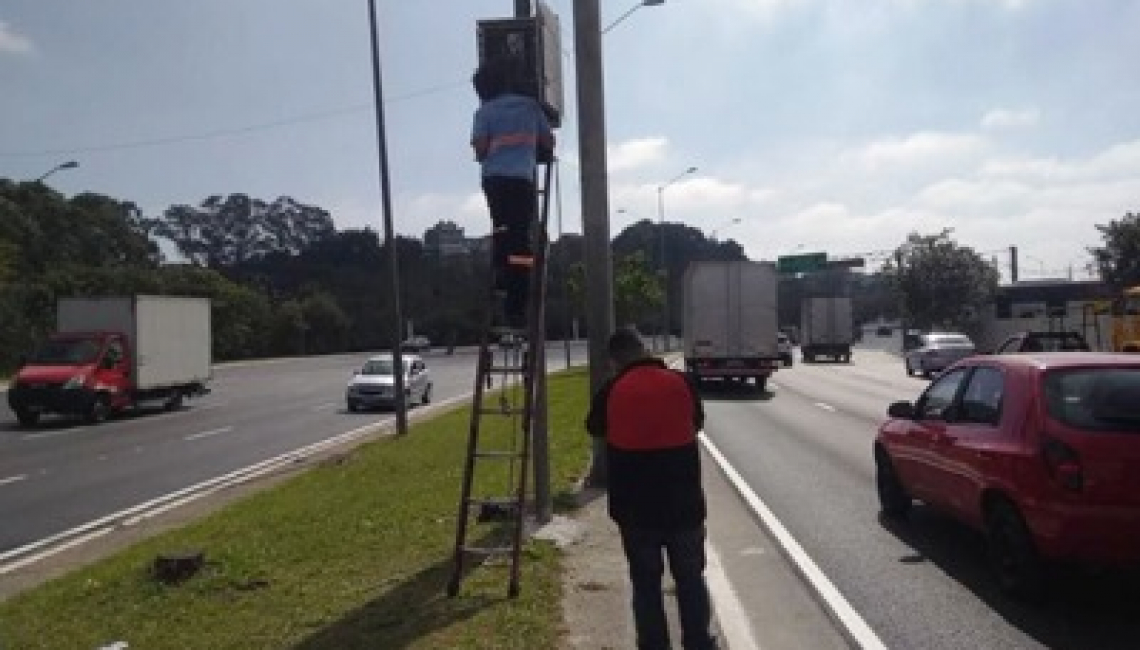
507,369
488,410
489,550
498,453
493,501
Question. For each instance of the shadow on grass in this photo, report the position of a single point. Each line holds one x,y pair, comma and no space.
415,608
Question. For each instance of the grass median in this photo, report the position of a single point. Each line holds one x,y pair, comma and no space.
354,553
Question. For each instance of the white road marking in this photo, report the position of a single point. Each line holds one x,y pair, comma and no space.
857,629
71,543
207,434
13,479
729,611
325,406
826,407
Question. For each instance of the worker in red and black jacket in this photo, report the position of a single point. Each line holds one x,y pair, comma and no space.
649,416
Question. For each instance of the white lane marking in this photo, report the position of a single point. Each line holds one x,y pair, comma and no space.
325,406
71,543
13,479
852,623
207,434
826,407
729,611
16,558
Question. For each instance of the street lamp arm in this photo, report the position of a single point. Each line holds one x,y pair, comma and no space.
71,164
639,5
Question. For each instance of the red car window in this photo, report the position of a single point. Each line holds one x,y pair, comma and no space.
1095,399
940,396
981,401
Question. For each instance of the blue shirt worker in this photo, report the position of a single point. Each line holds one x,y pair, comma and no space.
649,416
510,135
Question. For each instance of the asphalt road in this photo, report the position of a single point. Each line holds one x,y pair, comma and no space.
806,452
63,475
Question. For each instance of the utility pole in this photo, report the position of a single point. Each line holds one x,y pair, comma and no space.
1013,264
389,229
595,204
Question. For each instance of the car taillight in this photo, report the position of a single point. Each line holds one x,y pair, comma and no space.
1064,464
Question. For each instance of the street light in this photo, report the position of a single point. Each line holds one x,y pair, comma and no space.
643,3
71,164
664,268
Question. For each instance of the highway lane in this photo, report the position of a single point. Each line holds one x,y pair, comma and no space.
806,451
63,474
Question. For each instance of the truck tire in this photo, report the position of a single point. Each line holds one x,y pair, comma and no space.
762,383
175,401
98,411
27,418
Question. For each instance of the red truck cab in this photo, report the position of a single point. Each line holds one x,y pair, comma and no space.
77,373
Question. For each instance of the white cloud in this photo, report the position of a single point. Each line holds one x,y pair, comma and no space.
1002,118
635,153
922,149
11,41
1120,161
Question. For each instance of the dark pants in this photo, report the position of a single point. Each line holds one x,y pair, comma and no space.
512,203
686,552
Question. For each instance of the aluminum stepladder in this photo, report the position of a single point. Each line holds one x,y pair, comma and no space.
500,433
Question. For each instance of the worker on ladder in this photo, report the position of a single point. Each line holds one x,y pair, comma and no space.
511,135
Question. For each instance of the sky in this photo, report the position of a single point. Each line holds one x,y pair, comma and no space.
839,126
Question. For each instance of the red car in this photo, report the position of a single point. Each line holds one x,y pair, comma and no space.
1040,452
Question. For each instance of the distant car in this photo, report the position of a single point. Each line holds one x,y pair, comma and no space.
417,344
936,351
1040,452
784,346
373,385
1043,342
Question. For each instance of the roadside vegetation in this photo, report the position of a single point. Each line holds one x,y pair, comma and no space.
355,553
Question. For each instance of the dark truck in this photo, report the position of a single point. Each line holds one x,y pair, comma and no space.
1060,341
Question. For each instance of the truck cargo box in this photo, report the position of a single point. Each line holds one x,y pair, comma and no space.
730,319
170,335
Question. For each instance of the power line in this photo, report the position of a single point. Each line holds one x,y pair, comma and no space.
232,131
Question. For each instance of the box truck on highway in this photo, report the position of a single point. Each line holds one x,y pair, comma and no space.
826,328
730,321
113,353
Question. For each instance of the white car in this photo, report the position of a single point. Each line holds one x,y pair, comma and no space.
373,385
936,351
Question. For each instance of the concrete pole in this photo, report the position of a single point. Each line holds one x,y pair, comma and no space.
595,204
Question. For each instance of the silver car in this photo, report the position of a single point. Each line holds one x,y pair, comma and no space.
373,385
935,351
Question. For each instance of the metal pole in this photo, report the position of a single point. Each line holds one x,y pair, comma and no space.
664,271
389,231
522,8
595,208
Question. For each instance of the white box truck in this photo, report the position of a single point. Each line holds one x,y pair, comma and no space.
730,321
112,353
826,328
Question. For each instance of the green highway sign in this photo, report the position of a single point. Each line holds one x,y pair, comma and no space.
801,263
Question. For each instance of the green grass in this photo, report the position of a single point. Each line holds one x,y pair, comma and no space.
352,554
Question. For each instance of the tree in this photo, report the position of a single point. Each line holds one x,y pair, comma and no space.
235,229
1119,259
941,284
637,290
